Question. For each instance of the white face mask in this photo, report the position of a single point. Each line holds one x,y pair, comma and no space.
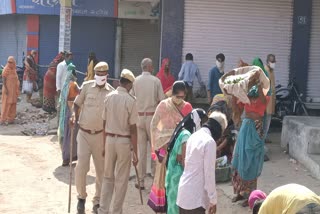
220,65
100,80
272,65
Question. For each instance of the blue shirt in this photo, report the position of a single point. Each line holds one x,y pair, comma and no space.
213,82
188,72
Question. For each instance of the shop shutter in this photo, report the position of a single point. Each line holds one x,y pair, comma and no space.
13,38
93,34
314,57
140,39
48,40
239,29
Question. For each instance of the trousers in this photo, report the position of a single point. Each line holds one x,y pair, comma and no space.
116,174
199,210
89,145
144,139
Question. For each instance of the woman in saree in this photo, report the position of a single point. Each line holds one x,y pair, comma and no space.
68,94
167,115
165,76
248,155
176,155
225,145
49,87
10,92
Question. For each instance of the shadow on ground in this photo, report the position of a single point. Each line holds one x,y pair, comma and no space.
62,174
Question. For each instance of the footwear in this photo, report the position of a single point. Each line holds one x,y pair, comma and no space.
237,198
80,207
245,203
137,186
95,208
65,163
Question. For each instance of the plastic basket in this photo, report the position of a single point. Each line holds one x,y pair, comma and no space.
223,174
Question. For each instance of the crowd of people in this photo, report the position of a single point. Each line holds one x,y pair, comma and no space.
116,126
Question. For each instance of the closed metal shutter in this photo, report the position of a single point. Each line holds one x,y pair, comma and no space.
13,37
314,59
140,39
93,34
88,34
239,29
48,40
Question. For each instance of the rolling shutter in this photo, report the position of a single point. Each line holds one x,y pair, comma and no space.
239,29
92,34
140,39
48,40
13,38
314,57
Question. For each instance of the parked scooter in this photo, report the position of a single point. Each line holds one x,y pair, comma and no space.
289,102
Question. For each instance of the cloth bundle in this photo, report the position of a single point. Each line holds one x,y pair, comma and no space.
238,84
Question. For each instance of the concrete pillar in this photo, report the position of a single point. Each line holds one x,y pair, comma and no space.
172,26
118,50
65,25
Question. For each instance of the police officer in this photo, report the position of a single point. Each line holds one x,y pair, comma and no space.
120,117
90,135
148,91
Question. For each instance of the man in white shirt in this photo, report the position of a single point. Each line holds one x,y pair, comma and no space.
62,69
197,188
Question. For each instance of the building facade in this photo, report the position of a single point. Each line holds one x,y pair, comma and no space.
244,30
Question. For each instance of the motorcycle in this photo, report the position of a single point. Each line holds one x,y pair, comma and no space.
289,102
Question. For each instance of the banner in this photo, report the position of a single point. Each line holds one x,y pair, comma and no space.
139,10
100,8
65,29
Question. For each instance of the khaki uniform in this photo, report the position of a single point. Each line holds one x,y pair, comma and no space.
272,103
90,136
119,113
148,91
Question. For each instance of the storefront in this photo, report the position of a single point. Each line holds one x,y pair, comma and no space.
239,29
13,41
95,34
313,85
140,34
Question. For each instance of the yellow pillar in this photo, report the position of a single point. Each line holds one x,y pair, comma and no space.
65,25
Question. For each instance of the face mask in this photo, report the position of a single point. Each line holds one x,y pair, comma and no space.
272,65
219,64
68,61
100,80
176,100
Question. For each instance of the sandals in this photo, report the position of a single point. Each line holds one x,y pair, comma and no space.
237,198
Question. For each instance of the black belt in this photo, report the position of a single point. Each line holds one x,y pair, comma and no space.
90,131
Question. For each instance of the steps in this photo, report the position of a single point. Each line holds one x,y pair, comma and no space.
302,136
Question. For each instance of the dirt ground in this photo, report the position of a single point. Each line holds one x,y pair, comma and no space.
33,181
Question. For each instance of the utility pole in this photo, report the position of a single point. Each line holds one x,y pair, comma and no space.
65,25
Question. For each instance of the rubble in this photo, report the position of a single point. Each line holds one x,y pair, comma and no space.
34,122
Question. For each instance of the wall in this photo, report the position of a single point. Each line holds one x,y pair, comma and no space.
172,33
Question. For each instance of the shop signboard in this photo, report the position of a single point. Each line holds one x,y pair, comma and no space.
139,10
96,8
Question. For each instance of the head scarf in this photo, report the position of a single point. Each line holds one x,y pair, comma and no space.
256,195
10,66
64,98
166,80
191,122
59,58
253,92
